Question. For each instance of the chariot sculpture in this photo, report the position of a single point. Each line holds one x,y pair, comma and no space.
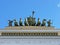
30,21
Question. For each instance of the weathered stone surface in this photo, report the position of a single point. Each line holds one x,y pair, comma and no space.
30,40
29,28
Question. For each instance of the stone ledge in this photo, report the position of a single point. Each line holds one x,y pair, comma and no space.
29,28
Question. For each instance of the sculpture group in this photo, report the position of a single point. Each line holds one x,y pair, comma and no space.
30,21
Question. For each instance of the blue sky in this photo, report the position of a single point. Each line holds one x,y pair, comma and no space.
15,9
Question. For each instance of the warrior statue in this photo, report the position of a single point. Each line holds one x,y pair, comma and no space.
34,22
38,23
26,23
15,22
10,22
49,23
20,22
31,20
43,22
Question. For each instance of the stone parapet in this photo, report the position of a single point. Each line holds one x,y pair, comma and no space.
29,28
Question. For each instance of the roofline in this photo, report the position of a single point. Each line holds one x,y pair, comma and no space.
29,30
